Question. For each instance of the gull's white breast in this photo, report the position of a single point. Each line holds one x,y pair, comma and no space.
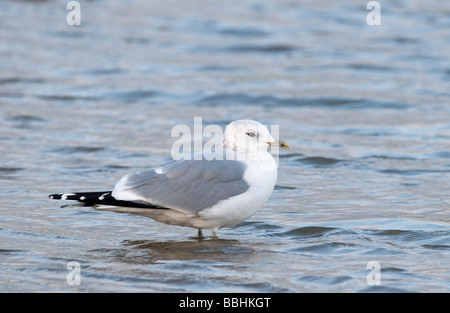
261,176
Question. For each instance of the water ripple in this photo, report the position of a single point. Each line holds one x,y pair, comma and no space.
317,161
270,100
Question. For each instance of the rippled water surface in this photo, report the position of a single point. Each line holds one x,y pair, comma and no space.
365,110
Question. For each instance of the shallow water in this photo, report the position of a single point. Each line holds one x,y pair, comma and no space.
365,110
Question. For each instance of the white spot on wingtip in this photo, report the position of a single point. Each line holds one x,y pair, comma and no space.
65,195
82,198
103,196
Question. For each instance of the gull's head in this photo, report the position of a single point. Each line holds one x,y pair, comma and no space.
249,136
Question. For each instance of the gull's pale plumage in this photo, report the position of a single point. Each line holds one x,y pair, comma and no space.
204,194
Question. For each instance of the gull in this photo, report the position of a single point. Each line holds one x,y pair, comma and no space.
202,192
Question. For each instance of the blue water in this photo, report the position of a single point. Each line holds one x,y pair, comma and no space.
365,110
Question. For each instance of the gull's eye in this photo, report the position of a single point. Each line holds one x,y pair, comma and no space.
250,134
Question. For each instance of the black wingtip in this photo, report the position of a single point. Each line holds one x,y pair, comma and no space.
86,197
101,198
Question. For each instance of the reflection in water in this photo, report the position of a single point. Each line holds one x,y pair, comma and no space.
149,252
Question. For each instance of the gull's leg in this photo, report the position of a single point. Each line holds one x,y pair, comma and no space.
200,234
214,235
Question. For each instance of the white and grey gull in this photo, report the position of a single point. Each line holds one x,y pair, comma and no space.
203,193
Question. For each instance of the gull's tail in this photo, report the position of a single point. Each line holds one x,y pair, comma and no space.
101,198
